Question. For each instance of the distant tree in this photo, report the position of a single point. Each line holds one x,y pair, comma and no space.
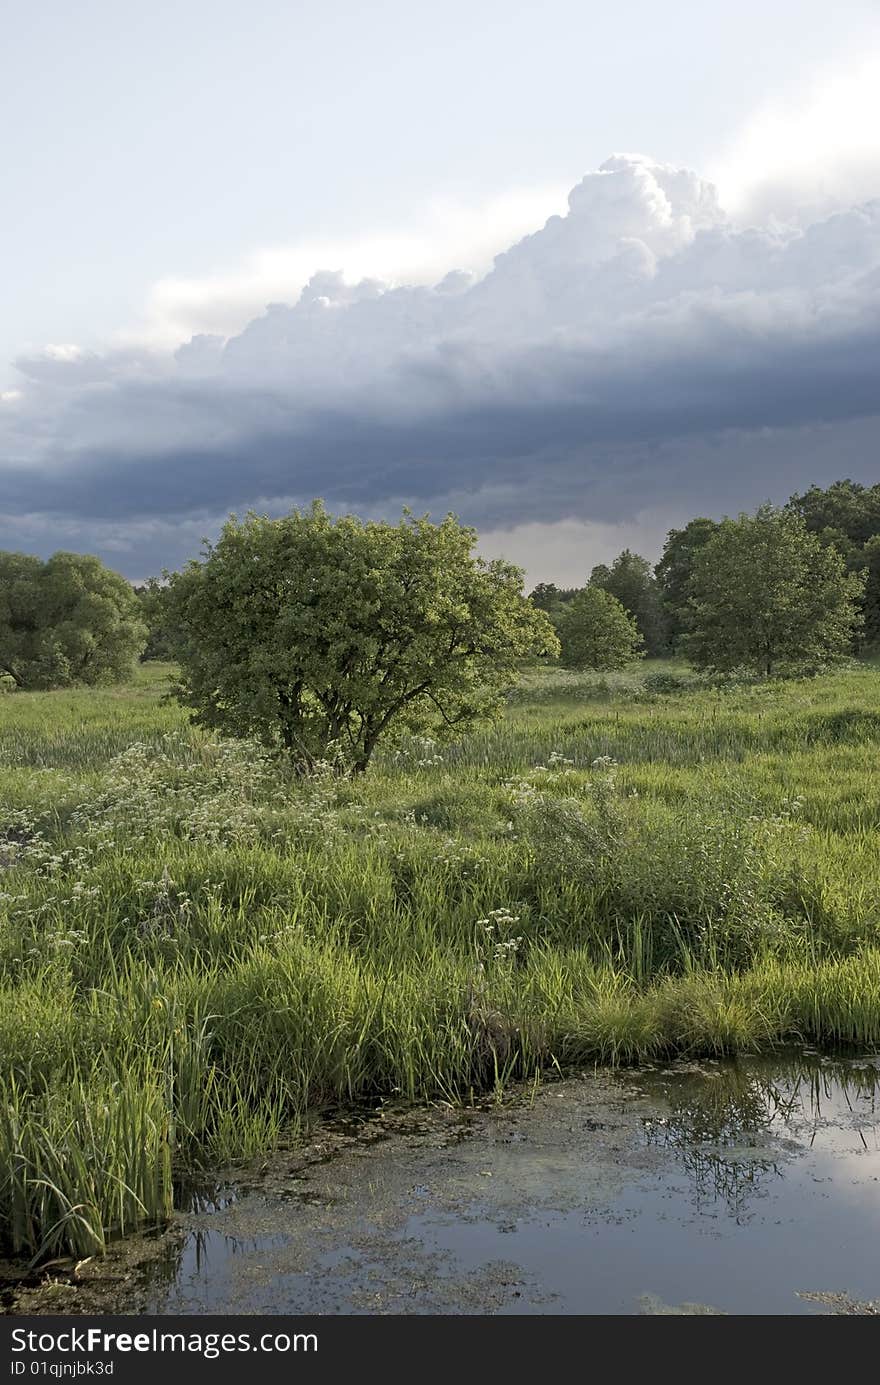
847,510
153,598
631,579
69,620
673,573
871,570
846,515
765,595
595,632
319,635
547,596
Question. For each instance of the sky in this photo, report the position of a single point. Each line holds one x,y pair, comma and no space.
573,271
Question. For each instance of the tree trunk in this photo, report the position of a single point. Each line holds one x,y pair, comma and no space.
361,764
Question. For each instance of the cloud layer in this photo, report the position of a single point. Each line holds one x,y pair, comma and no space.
640,355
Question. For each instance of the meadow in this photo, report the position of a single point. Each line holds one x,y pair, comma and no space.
200,954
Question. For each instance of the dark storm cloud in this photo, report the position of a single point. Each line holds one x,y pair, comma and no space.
637,353
548,448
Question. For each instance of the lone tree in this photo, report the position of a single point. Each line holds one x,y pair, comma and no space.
321,635
766,595
596,632
65,621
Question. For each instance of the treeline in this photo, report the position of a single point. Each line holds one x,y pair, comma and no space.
789,586
786,589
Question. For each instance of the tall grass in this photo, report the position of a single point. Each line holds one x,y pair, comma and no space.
198,954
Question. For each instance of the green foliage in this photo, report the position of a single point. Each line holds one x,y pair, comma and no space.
847,510
871,555
322,635
547,596
200,949
847,517
766,596
152,596
674,571
596,632
66,621
631,579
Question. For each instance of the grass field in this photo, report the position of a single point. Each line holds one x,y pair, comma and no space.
198,953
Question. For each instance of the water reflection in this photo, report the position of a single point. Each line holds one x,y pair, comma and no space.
724,1186
733,1126
193,1259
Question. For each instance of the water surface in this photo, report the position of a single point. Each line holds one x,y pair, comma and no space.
729,1187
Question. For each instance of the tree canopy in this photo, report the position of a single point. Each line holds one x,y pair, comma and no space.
322,635
69,620
766,595
846,509
846,516
547,596
631,579
154,613
871,571
595,632
674,571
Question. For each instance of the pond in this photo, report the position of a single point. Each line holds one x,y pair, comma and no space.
746,1186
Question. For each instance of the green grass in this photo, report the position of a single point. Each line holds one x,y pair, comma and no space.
198,953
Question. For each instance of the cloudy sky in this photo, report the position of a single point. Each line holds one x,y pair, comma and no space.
576,272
